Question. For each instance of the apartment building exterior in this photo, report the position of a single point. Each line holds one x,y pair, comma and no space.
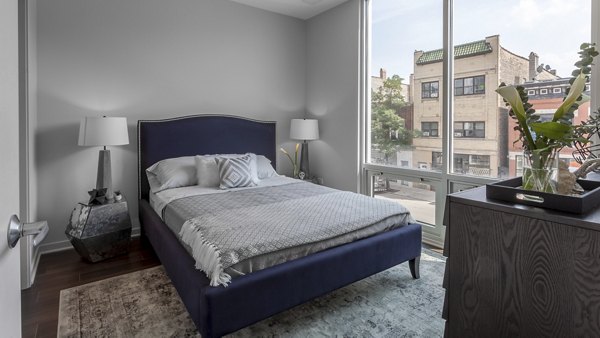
481,125
545,97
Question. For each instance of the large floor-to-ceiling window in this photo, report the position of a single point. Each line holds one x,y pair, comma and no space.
433,121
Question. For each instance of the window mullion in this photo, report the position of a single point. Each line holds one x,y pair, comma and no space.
447,89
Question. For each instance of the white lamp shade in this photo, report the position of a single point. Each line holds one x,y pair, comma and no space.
304,129
103,131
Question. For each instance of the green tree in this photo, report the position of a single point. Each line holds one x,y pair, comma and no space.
389,95
387,127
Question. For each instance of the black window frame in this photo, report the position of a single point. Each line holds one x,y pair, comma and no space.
475,86
429,129
427,91
474,131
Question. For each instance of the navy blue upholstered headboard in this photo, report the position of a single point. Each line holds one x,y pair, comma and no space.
201,134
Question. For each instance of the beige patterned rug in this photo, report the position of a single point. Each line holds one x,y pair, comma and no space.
145,304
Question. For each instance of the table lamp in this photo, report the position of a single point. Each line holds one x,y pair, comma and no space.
103,131
304,130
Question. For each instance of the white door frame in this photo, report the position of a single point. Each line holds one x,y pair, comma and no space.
10,288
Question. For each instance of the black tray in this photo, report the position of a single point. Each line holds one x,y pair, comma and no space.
508,191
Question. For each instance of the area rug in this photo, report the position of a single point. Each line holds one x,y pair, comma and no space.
145,304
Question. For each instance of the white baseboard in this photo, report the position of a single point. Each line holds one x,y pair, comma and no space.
46,248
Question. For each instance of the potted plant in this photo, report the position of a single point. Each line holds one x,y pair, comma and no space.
294,161
542,141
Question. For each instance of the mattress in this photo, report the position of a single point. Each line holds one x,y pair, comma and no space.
166,206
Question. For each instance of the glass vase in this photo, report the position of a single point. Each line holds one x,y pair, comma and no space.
540,172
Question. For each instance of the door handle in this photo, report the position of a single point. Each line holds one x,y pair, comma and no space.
16,230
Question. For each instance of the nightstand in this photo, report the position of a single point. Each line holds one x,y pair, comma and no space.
98,232
315,180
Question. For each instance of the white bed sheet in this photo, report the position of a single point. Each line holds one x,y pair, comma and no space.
158,201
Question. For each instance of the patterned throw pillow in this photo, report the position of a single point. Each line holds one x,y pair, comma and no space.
236,172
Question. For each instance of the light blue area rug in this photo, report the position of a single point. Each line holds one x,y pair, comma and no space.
145,304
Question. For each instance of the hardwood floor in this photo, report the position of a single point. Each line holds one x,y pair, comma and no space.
66,269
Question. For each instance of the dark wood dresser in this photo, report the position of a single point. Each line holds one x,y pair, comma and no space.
518,271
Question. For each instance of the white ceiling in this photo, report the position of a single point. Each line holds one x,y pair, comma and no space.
302,9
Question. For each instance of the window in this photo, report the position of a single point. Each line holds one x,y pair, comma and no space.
436,160
543,91
484,147
429,129
519,165
469,129
430,89
472,164
557,90
469,85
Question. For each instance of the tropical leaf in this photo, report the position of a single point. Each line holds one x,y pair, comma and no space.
551,130
575,92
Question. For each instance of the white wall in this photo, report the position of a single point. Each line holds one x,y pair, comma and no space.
332,94
146,59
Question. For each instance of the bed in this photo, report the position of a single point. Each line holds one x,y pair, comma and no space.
217,311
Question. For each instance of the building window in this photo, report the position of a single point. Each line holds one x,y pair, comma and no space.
403,163
531,92
436,160
469,85
429,129
430,90
469,129
543,91
472,164
519,165
557,90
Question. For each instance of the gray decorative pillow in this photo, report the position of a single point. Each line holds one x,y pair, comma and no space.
237,172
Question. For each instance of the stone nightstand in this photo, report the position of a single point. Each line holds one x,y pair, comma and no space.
102,231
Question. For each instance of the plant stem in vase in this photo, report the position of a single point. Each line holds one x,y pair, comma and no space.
540,171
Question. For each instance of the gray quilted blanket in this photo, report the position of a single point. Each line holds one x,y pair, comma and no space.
224,229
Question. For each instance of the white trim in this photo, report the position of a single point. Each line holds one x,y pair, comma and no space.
365,94
25,142
557,90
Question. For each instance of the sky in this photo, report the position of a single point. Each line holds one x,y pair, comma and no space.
553,29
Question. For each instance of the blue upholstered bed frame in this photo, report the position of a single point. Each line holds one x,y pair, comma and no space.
217,311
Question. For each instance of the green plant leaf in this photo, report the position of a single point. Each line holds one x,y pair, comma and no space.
574,92
551,130
511,95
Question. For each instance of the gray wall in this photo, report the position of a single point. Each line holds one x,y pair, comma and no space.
146,59
332,94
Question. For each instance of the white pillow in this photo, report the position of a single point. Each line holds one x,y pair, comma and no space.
172,173
236,172
207,171
264,167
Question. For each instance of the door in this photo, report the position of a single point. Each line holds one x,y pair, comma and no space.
10,288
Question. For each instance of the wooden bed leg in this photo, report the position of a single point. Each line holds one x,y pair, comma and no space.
413,264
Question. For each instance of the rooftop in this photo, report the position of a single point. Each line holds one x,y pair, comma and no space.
460,51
